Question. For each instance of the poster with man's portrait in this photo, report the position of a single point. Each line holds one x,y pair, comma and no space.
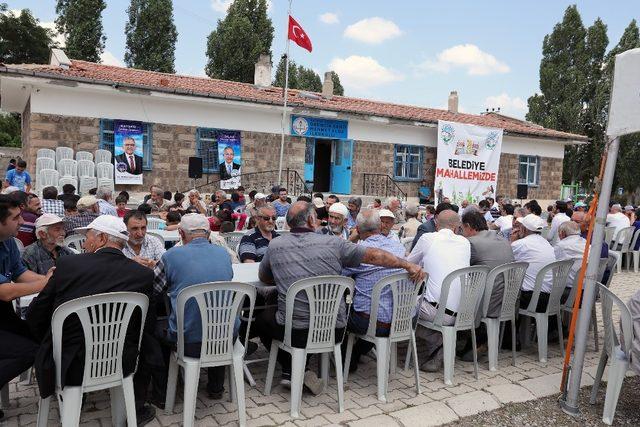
127,150
229,156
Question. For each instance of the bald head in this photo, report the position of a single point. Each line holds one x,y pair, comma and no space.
448,219
301,214
582,219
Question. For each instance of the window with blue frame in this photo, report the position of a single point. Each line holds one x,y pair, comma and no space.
107,141
408,161
529,170
207,149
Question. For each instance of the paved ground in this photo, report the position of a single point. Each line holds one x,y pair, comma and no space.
437,404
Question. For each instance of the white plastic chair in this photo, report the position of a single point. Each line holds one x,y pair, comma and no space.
48,178
472,284
46,153
405,297
84,155
86,168
87,183
324,294
67,180
233,239
635,254
608,235
68,167
616,349
559,271
44,163
103,156
157,236
220,304
105,319
104,170
281,221
621,244
406,242
513,275
154,223
106,183
75,242
63,153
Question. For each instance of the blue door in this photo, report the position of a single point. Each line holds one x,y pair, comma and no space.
309,155
342,151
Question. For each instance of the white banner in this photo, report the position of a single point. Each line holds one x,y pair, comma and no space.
467,163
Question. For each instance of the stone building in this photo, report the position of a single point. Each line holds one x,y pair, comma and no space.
340,144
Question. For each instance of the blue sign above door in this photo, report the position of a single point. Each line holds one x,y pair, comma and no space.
319,128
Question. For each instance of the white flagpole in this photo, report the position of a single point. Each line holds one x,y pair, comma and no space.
286,93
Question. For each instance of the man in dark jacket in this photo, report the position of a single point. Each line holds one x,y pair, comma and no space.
103,269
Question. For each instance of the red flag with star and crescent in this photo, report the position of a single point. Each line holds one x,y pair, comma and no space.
298,35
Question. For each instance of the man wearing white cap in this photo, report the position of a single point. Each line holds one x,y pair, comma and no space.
615,218
529,246
337,226
88,210
387,222
103,269
259,200
40,256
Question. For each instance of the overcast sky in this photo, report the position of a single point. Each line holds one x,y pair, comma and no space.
405,51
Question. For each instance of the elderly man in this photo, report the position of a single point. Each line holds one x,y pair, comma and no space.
157,201
193,200
253,246
103,269
559,216
430,225
31,210
337,222
301,254
366,276
354,204
617,219
196,261
440,253
142,248
19,348
50,202
529,246
40,256
87,211
394,205
387,223
410,227
570,246
281,204
104,196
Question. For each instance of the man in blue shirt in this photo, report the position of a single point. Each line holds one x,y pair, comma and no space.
19,177
18,347
196,262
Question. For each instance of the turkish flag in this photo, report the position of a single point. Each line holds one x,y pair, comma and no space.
298,35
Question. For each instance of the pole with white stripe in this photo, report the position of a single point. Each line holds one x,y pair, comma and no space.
286,93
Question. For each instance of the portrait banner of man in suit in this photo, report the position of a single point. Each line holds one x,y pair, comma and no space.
229,156
128,153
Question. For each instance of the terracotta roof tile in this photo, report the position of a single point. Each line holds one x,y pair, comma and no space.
203,86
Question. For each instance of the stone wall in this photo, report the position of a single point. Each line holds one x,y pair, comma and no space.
550,178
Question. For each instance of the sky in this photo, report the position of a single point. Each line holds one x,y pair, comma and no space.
407,51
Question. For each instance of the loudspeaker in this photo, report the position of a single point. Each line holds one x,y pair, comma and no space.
195,167
523,189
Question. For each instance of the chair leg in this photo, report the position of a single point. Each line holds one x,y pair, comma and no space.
502,327
475,352
129,400
615,377
118,413
347,357
337,355
513,340
393,360
542,329
619,263
636,259
172,382
298,360
493,326
70,411
560,334
232,384
382,365
407,358
594,322
273,354
43,412
596,384
525,331
449,353
191,377
247,375
416,369
324,370
238,369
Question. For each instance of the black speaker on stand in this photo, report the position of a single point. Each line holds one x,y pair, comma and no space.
195,169
523,190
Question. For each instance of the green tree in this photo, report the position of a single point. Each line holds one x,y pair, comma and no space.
304,78
80,21
280,77
241,37
22,39
337,86
151,36
309,80
10,130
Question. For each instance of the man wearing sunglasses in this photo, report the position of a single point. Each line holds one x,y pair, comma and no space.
253,246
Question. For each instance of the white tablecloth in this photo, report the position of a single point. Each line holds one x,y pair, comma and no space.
247,273
167,235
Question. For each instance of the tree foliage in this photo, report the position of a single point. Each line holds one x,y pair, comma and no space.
22,39
304,78
10,130
151,36
241,37
80,21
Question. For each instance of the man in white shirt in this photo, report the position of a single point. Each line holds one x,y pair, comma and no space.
505,222
529,246
439,254
570,246
559,216
617,219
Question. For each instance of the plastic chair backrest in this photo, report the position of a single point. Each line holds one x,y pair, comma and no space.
103,156
46,153
67,167
157,236
634,241
84,155
611,267
106,183
104,170
68,180
324,294
624,237
611,339
48,177
472,284
87,183
105,320
45,163
63,153
233,239
154,223
75,241
559,272
405,301
513,276
86,168
220,304
608,235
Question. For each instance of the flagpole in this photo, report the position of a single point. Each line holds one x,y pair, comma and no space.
286,93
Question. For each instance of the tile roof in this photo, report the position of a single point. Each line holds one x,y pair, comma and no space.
203,86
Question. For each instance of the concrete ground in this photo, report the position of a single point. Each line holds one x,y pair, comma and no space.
438,404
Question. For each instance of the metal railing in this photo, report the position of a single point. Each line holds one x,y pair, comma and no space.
380,184
262,182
